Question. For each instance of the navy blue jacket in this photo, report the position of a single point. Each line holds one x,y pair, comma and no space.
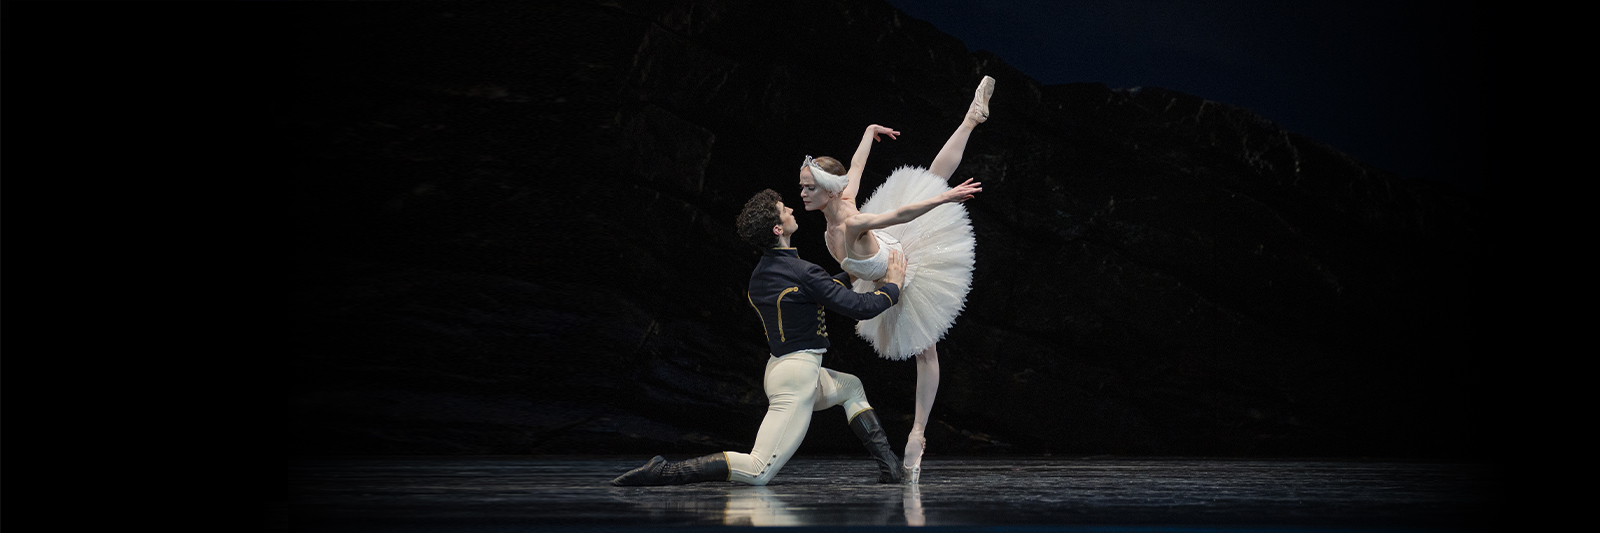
791,294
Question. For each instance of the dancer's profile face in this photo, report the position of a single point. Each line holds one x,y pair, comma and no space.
786,220
812,196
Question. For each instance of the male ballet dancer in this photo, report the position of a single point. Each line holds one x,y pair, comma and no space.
790,294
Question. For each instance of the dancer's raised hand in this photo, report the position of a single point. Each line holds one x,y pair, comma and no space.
963,192
858,163
908,212
874,130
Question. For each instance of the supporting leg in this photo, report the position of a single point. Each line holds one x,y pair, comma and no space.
927,388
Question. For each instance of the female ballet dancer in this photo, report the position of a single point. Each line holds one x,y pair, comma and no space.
907,213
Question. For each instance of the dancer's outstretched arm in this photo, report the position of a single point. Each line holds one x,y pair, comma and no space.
858,163
909,212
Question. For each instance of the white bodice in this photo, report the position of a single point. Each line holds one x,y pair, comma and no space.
875,267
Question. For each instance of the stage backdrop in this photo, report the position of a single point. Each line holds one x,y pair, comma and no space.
511,231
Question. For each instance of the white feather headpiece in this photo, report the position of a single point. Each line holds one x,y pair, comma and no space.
828,182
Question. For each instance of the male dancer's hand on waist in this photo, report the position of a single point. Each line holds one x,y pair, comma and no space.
897,269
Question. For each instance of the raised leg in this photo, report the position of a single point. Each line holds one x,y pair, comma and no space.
944,164
949,156
927,388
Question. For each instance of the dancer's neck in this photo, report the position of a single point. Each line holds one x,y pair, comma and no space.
838,210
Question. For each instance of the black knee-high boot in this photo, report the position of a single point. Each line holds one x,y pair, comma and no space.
867,428
660,471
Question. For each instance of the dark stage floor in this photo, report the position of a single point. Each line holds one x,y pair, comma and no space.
1112,494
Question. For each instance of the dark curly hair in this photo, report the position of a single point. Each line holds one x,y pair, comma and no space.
760,214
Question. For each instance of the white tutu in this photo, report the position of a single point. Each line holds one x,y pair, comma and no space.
938,247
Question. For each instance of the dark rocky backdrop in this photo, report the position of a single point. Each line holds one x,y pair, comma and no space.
510,232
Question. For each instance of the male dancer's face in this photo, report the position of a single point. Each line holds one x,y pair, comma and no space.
786,221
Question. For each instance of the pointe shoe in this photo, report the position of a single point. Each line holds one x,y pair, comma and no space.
979,111
911,469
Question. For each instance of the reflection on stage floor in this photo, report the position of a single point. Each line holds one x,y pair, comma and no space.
517,493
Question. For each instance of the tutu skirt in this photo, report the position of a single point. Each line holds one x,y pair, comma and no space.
938,247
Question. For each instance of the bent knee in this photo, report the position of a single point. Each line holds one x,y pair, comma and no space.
849,384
